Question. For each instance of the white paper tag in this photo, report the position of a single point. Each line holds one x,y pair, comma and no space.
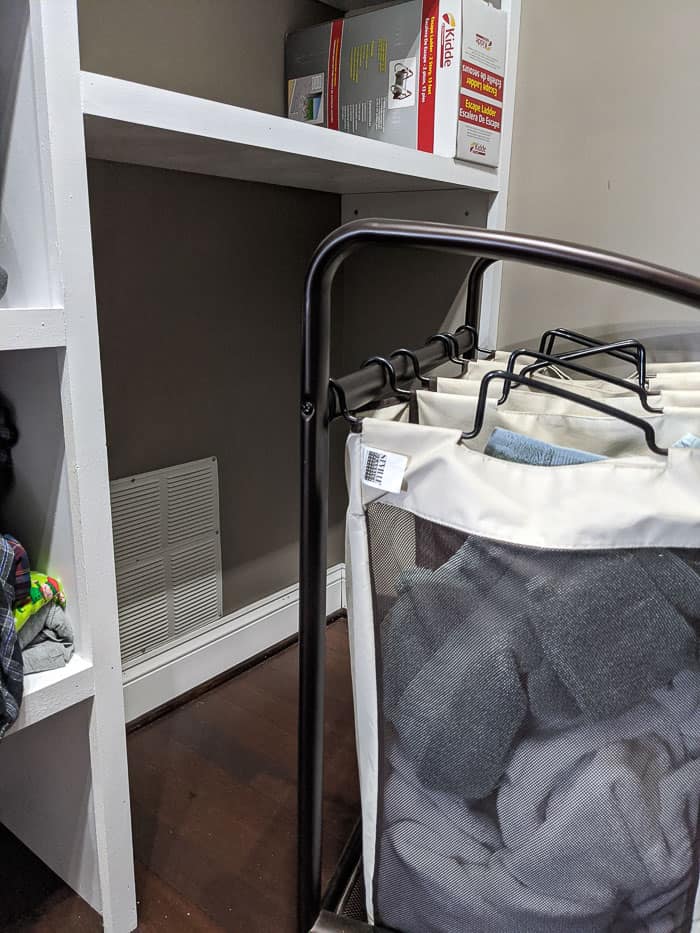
383,469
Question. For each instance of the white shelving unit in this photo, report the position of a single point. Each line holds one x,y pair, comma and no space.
127,122
63,775
52,691
32,328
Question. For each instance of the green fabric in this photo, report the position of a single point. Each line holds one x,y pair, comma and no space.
43,590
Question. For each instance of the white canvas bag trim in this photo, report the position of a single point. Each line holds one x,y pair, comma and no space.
677,397
629,502
478,369
576,427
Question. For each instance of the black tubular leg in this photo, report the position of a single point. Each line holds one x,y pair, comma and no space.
315,419
488,244
475,282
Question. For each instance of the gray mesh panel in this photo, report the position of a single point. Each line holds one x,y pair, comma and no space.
540,734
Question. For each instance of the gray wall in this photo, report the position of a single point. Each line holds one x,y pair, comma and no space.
227,50
199,286
605,151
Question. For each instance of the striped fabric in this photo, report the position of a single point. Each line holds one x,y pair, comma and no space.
11,668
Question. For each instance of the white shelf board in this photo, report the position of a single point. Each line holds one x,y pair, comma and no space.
52,691
127,122
32,328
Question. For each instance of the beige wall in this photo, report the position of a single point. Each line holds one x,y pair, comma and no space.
606,151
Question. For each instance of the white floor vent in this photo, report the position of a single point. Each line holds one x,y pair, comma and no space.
168,555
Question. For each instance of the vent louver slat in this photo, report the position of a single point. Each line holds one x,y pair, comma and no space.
167,554
136,518
143,608
192,505
193,589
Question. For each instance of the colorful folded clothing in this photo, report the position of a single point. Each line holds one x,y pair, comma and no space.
43,591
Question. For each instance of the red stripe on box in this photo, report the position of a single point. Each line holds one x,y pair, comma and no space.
480,112
426,78
480,80
334,48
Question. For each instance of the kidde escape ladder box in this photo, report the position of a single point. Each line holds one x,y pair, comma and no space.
390,74
482,77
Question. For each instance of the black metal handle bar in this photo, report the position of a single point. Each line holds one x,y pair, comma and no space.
490,245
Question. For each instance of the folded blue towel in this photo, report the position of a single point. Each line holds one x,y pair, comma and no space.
688,440
519,448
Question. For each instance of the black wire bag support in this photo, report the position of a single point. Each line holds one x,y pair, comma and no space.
319,407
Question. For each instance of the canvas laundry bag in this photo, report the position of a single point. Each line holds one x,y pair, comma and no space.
477,369
654,367
523,396
682,398
524,652
677,380
675,366
570,425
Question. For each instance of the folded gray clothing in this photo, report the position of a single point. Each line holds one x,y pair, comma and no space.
501,636
46,639
593,831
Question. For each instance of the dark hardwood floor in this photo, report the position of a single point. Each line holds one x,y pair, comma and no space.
213,794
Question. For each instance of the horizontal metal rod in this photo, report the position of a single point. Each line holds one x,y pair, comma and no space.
367,384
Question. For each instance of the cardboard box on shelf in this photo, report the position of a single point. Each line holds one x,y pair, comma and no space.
482,78
390,74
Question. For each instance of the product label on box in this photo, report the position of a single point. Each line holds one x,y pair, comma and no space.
402,83
447,90
391,74
439,75
481,81
426,93
306,98
482,76
334,50
480,113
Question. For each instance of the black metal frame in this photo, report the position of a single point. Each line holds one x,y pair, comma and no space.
319,407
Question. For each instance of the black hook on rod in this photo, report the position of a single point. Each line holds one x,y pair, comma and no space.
391,375
354,422
410,355
450,345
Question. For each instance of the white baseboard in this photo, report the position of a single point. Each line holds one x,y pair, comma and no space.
238,637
